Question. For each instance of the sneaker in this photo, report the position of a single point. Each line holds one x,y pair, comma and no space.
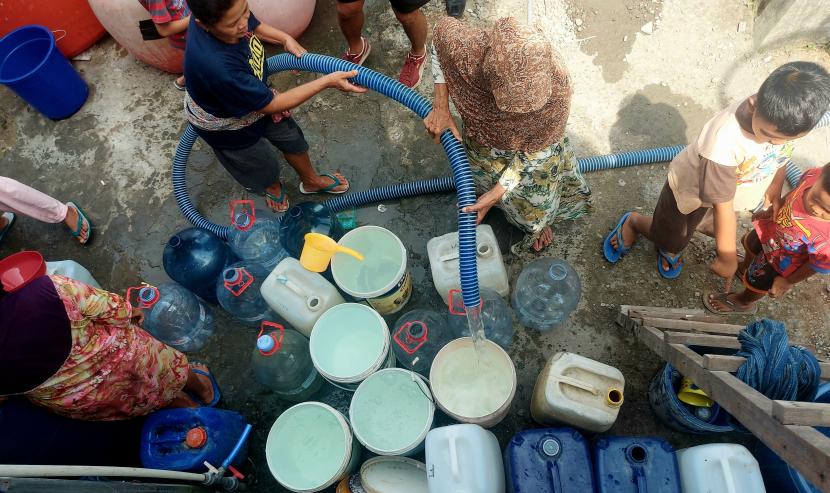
413,69
358,58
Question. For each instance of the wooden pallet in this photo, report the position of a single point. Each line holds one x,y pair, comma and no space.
786,427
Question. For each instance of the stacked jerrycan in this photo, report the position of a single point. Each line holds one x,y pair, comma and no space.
546,292
253,236
635,465
726,467
183,439
577,391
238,291
299,295
417,337
464,458
195,258
175,316
495,314
281,362
552,460
443,261
307,217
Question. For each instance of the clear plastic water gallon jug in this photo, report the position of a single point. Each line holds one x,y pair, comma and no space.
282,363
443,261
577,391
719,467
72,270
635,465
307,217
238,291
299,295
417,337
546,292
254,236
463,458
551,460
195,258
175,316
496,316
183,439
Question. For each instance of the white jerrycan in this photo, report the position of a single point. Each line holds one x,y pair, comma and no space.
577,391
719,468
299,295
443,261
464,458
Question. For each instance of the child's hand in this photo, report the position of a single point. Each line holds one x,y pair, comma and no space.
773,203
780,287
340,80
725,266
292,46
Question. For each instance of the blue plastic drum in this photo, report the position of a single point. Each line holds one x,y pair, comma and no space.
32,67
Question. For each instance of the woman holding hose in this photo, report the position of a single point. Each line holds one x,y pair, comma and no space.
513,94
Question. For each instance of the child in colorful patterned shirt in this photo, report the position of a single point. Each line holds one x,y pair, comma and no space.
171,18
784,248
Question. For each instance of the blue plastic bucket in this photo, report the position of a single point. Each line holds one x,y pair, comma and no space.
32,67
662,395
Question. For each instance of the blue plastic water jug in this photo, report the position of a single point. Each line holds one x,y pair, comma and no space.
496,316
281,361
183,439
552,460
238,293
546,293
254,236
195,258
307,217
175,316
635,465
417,337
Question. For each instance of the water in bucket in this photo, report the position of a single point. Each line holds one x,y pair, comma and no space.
382,277
310,447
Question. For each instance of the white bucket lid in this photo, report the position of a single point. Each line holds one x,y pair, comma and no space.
392,411
384,246
309,447
393,475
349,342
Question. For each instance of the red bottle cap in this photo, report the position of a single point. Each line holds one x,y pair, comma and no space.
196,437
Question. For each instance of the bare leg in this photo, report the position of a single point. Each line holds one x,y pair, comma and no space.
635,226
415,26
180,81
350,17
71,222
312,181
745,299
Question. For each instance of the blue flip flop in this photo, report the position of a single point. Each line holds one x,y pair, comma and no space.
675,264
216,394
82,217
612,254
11,217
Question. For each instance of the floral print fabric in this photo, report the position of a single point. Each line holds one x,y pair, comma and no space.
115,370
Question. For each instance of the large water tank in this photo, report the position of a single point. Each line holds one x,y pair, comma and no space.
72,21
291,16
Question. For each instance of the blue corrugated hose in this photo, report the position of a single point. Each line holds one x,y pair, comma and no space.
461,179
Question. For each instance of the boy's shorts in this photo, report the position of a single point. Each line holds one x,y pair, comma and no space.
402,6
257,167
671,230
760,275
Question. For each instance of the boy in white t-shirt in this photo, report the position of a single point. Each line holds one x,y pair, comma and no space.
736,163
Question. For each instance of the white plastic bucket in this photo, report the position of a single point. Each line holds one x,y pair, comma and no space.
393,475
382,277
348,343
473,386
392,411
310,447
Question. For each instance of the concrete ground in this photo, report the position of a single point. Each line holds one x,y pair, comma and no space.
646,74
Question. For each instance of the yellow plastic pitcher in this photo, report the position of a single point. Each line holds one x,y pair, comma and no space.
318,251
693,395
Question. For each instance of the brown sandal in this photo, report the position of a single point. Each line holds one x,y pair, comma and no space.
724,299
